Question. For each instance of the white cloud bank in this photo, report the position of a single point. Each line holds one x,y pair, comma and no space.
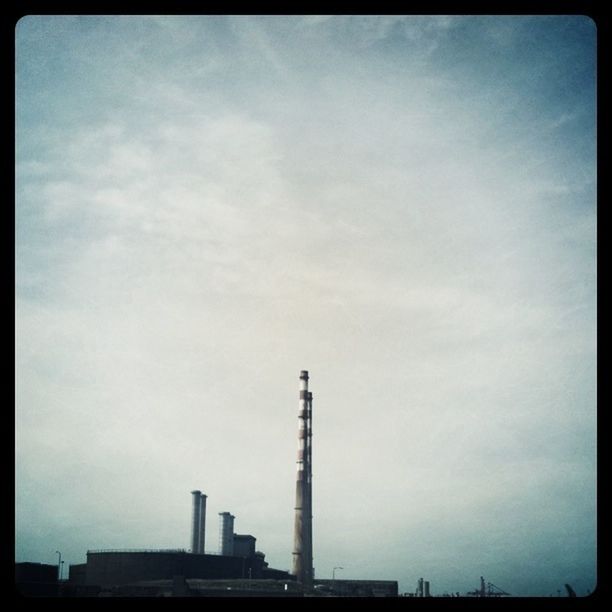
206,206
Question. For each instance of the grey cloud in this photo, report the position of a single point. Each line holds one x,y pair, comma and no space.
234,211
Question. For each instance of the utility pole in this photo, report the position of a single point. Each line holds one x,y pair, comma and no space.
59,565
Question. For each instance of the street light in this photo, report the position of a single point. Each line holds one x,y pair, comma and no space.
334,571
61,570
59,564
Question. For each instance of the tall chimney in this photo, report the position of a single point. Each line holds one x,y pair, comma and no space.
202,523
302,534
310,564
226,533
195,521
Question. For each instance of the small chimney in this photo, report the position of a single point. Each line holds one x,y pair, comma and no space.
226,534
202,523
195,521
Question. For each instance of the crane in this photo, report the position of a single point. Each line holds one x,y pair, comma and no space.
490,590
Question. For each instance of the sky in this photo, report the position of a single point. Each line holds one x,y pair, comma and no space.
404,206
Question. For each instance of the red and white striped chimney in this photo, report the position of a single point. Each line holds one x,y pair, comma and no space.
302,534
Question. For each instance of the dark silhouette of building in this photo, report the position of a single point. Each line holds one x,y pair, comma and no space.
110,568
244,545
36,579
357,588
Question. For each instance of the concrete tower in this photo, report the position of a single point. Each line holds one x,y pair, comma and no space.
202,523
302,534
195,521
226,533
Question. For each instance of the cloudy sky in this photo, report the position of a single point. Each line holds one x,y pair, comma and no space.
403,206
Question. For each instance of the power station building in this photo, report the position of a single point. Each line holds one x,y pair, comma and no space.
116,567
237,567
236,559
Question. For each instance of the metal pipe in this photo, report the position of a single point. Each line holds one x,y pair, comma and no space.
195,521
202,526
302,533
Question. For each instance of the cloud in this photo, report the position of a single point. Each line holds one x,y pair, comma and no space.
243,198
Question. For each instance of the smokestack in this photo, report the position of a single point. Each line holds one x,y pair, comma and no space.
302,534
310,564
195,521
202,523
226,534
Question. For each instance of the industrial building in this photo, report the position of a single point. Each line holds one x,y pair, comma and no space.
356,588
182,587
36,579
237,568
118,567
236,559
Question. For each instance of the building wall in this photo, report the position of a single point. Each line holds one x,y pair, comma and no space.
359,588
209,588
269,573
35,572
120,568
115,568
244,545
77,573
36,579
